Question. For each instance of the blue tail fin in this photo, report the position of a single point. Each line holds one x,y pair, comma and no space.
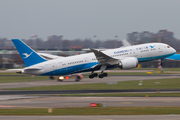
29,56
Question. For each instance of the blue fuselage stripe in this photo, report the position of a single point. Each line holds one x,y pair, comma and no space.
153,58
71,69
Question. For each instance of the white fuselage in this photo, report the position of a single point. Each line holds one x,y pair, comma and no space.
86,62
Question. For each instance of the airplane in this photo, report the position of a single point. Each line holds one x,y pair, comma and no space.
124,58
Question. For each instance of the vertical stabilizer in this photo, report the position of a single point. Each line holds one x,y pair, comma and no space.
29,56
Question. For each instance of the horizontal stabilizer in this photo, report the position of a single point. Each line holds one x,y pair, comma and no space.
33,68
49,56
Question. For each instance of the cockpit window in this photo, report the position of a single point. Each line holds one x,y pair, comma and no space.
168,46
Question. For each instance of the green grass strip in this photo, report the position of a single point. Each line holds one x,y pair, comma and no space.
172,83
9,79
94,111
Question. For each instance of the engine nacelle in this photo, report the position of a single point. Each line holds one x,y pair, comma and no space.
128,63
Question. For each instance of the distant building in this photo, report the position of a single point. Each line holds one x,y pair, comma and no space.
55,42
137,38
162,36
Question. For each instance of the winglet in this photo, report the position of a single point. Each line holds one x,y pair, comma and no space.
29,56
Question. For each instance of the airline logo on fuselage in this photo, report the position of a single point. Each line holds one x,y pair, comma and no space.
27,55
152,46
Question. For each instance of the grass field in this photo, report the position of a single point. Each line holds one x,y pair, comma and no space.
7,77
94,111
173,83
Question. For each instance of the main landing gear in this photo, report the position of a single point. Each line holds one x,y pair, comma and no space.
103,67
103,75
100,75
93,75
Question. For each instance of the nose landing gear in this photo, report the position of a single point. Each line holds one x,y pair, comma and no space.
162,63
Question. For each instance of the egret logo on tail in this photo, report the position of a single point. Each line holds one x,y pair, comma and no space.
27,55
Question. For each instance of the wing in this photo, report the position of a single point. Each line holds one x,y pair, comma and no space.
103,58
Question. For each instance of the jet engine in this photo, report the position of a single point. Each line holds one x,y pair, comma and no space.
128,63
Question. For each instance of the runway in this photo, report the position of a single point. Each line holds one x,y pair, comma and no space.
96,117
58,101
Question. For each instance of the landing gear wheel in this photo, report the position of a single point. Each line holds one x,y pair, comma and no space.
101,76
95,74
162,63
105,74
91,76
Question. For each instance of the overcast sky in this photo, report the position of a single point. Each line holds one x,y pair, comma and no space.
86,18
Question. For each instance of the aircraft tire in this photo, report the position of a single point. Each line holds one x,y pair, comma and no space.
162,63
95,74
91,76
101,76
105,74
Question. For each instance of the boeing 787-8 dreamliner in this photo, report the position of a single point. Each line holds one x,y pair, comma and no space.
123,57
